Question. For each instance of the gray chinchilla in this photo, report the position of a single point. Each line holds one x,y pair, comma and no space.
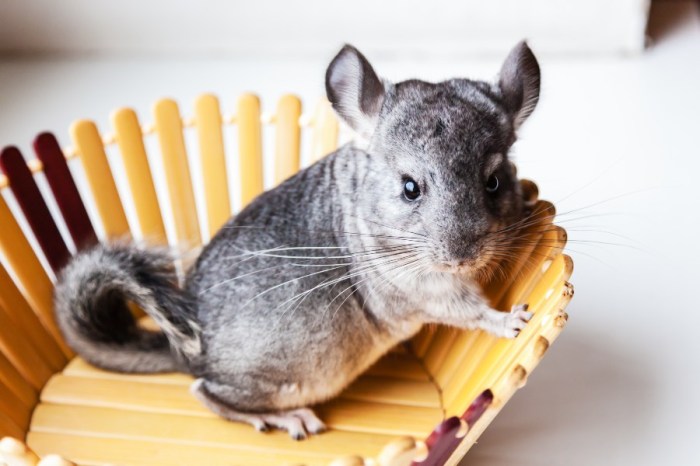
316,279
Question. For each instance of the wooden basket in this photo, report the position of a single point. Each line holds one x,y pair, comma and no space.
425,403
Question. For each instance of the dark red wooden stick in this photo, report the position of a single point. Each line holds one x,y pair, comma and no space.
64,190
34,207
443,441
477,408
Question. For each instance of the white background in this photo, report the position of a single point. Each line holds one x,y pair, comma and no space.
435,28
614,141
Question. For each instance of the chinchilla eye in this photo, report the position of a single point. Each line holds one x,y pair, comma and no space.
492,184
411,191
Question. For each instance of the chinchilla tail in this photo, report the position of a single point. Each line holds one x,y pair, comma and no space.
91,303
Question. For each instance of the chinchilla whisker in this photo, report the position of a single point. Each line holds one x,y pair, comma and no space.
558,218
532,217
407,268
580,241
299,248
363,255
524,223
503,261
369,264
350,262
385,280
574,251
229,280
282,265
591,182
547,220
410,259
569,241
289,281
266,253
590,256
368,268
346,276
499,270
326,231
332,283
356,288
302,295
553,227
561,218
283,256
526,267
360,257
262,270
526,233
356,261
610,199
536,217
591,229
272,253
515,250
381,262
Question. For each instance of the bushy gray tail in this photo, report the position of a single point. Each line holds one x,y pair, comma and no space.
91,304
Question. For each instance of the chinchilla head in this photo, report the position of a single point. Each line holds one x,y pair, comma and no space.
442,149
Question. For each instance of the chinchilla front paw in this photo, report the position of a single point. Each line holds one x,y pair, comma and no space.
516,320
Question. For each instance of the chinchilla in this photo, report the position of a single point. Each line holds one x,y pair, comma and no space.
319,277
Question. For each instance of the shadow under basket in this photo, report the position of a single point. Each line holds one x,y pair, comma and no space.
425,403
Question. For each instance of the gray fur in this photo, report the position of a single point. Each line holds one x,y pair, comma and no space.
316,279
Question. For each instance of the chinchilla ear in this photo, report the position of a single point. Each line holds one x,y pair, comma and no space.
355,90
519,83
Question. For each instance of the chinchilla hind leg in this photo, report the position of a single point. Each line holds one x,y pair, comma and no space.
298,422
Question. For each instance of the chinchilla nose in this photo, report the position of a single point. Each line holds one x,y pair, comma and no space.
459,238
462,252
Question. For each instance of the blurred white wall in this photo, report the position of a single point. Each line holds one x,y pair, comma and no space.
437,28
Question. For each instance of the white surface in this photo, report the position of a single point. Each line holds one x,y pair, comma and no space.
619,135
279,27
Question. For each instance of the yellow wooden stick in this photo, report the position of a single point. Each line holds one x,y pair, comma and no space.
133,152
9,429
250,147
211,151
91,151
195,431
33,278
421,342
13,407
14,370
177,171
45,356
287,137
148,452
441,344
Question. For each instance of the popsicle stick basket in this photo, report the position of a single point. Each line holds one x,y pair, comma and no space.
425,403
